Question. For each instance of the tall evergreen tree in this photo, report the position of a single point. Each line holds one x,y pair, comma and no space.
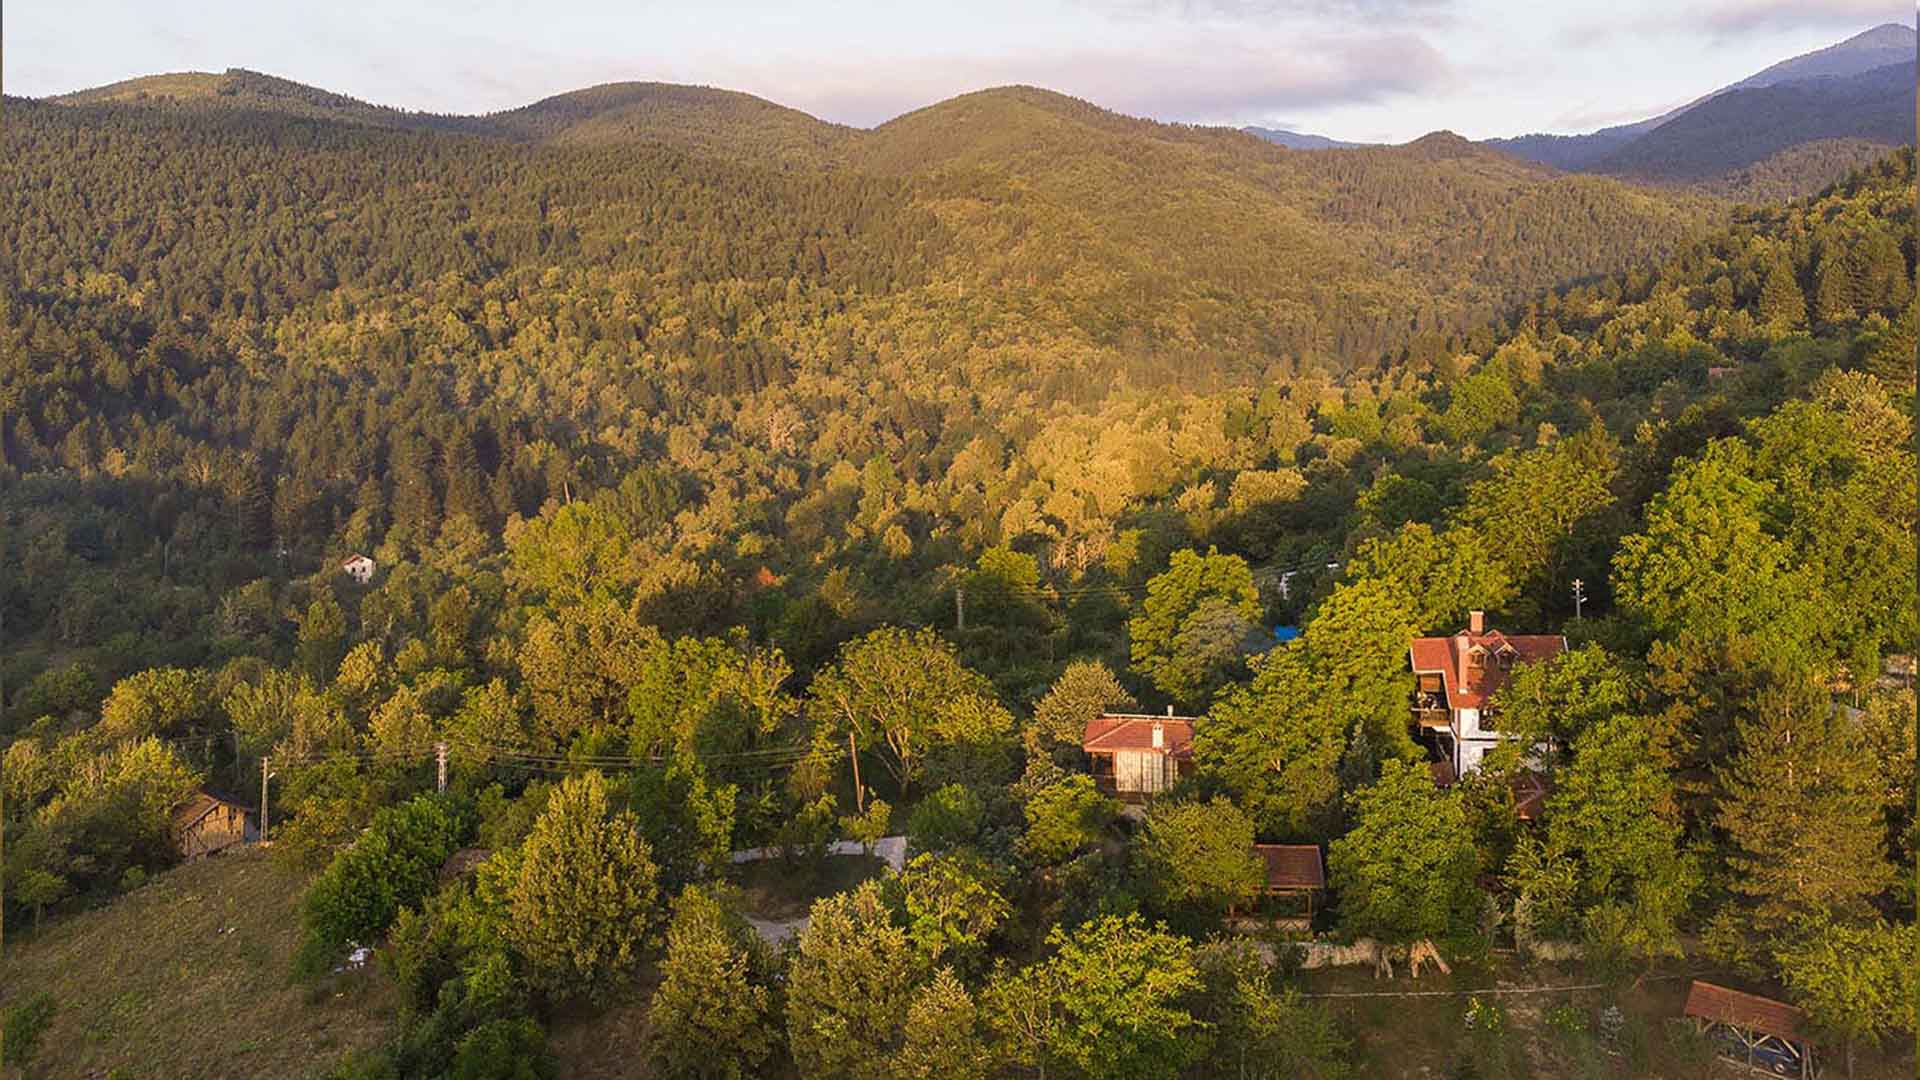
1833,291
1798,803
1782,304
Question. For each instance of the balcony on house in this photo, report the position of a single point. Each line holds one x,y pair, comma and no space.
1430,704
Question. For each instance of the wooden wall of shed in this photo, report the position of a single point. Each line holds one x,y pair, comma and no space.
223,827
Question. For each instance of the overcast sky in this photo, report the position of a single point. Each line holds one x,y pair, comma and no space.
1373,70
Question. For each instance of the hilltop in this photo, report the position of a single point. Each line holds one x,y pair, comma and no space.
238,88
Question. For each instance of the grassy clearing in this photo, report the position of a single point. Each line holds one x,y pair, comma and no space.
1425,1037
188,976
773,890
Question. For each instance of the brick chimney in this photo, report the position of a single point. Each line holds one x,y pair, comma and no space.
1159,735
1476,622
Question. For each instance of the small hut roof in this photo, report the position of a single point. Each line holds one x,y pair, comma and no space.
1743,1010
1292,866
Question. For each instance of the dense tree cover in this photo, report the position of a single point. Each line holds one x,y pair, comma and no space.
677,469
402,342
1405,871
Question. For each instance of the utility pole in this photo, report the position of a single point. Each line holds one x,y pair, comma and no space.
440,760
960,608
265,775
1579,596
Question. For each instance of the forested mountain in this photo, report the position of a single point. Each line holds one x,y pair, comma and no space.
1869,50
1748,125
679,462
1783,131
240,89
232,334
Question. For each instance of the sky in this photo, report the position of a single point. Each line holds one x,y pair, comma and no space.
1364,70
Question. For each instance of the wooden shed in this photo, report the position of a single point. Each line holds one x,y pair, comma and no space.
1765,1035
209,822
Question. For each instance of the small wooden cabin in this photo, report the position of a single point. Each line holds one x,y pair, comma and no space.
207,823
1765,1035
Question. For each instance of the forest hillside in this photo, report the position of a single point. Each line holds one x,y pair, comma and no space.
705,503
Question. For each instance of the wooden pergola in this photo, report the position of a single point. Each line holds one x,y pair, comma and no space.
1770,1034
1293,870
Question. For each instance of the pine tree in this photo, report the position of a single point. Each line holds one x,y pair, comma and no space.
1833,292
1891,360
1807,829
1782,304
1880,278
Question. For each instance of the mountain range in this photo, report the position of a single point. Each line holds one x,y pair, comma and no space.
1798,123
1789,128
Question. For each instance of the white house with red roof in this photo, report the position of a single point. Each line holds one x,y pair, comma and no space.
1456,675
1136,756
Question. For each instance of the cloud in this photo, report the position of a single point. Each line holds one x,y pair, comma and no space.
1201,78
1591,117
1735,17
1722,20
1269,10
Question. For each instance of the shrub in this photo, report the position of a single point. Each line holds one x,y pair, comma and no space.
363,1065
393,865
1065,817
503,1050
24,1023
949,817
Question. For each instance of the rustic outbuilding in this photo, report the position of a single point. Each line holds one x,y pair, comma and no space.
209,822
1763,1034
1293,870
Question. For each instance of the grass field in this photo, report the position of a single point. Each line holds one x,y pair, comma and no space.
188,976
1414,1028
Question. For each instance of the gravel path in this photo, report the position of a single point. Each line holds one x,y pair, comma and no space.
891,850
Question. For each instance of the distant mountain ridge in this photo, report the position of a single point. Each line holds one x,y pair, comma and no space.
1295,140
1840,96
1789,128
1750,124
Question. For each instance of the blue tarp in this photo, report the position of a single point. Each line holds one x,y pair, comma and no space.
1285,634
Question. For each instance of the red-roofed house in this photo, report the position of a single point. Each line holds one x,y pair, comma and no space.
1137,756
1455,677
